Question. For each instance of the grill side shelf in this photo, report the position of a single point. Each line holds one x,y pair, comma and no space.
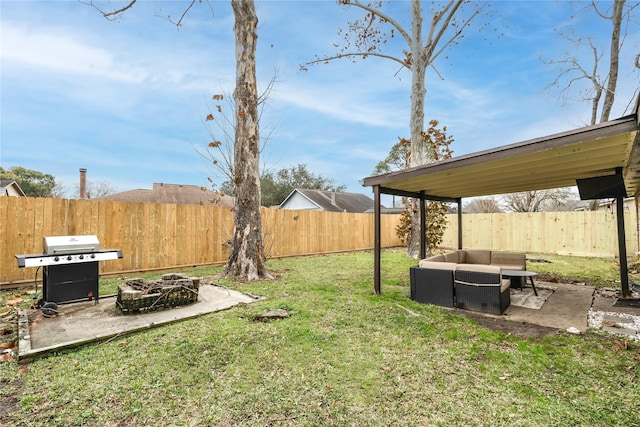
42,260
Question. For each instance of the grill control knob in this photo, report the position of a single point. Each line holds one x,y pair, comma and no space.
93,256
69,258
56,259
81,257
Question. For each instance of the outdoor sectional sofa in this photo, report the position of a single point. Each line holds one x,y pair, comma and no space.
468,279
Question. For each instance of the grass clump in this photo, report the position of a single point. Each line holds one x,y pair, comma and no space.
344,357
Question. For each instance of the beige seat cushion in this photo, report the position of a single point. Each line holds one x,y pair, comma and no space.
438,265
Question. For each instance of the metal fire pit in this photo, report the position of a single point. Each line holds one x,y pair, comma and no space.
70,267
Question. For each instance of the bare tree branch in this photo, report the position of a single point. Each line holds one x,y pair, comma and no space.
454,37
184,13
354,54
620,17
381,15
432,42
114,13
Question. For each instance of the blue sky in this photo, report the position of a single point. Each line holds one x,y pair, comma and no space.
127,99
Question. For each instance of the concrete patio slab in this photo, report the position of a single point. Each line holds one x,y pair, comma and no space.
565,308
84,322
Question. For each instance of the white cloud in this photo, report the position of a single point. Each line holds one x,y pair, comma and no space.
342,103
61,51
53,50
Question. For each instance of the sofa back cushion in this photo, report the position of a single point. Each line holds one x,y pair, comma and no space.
451,257
438,265
435,258
462,256
509,261
477,256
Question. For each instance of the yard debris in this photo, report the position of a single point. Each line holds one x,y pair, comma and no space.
573,330
8,354
274,313
6,357
538,260
620,345
7,345
15,301
611,324
608,292
413,313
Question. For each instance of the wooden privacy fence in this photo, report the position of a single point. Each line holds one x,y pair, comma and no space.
164,236
159,236
581,233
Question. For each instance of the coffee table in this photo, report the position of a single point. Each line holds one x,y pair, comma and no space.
521,276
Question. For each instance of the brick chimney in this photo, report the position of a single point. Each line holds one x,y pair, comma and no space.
83,183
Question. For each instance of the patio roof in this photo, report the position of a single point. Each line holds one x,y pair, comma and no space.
552,161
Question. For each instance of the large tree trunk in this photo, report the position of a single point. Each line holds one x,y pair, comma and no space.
614,53
247,259
416,119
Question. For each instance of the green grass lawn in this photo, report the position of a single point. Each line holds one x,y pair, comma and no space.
344,358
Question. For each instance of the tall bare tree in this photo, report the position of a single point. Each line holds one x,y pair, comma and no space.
599,82
482,205
95,189
537,200
602,81
247,259
425,43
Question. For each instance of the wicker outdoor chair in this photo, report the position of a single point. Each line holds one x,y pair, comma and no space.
432,283
481,288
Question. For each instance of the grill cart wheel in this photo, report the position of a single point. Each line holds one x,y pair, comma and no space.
49,309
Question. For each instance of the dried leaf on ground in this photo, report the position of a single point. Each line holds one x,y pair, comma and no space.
6,345
620,345
610,324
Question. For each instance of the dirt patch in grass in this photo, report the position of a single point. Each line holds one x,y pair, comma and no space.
518,329
8,401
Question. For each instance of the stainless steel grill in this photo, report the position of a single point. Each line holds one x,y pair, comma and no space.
70,267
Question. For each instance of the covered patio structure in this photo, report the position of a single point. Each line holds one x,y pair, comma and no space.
610,151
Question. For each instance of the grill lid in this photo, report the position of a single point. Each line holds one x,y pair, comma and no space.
70,244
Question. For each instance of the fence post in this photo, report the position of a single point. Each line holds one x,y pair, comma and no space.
376,239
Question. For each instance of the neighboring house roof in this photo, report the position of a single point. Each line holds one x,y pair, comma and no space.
330,201
173,193
8,187
628,203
